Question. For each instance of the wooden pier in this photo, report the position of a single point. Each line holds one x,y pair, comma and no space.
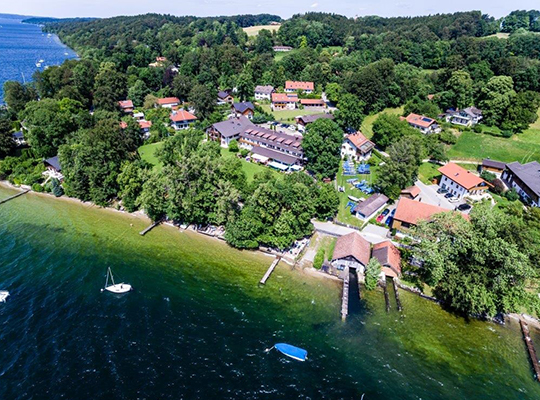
386,296
269,271
345,295
144,232
530,348
14,196
396,293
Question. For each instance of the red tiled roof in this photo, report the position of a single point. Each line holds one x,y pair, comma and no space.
284,98
123,124
388,256
125,104
412,190
319,102
145,124
296,85
358,139
420,120
168,100
461,176
182,115
352,245
411,211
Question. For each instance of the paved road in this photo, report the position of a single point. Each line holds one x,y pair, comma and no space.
372,234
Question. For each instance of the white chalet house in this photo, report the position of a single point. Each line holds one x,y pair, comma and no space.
460,182
357,147
467,117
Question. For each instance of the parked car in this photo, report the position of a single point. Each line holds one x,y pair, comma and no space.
385,212
389,221
448,195
464,207
442,190
453,199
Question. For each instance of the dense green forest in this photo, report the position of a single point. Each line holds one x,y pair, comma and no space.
364,65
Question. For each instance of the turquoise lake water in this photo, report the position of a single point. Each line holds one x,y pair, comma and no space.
197,324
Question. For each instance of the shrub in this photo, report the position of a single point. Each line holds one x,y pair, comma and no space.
512,195
477,129
233,146
498,186
244,152
56,188
448,137
373,270
319,258
488,176
507,133
36,187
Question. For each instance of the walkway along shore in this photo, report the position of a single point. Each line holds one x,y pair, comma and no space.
14,196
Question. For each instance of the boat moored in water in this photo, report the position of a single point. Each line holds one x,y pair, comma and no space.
296,353
4,294
117,288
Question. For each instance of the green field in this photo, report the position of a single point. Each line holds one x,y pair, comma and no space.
147,153
288,116
250,169
427,172
523,147
367,124
344,213
254,30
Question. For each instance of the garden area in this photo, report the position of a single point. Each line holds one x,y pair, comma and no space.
344,211
367,124
288,116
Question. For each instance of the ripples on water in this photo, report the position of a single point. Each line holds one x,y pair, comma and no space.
196,325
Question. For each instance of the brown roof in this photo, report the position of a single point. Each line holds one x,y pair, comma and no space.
461,176
145,124
359,140
352,245
284,98
319,102
368,207
420,120
411,211
125,104
412,190
182,115
388,256
296,85
168,100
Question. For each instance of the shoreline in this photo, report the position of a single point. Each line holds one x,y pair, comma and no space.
312,272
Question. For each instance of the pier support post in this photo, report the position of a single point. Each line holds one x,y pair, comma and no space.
345,296
386,297
398,301
530,348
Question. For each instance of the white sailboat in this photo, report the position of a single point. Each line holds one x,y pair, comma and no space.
115,287
4,294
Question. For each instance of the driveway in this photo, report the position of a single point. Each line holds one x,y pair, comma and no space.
428,194
372,233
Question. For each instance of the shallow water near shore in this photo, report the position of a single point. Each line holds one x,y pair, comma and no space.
197,324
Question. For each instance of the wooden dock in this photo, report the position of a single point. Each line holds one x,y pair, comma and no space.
396,293
386,296
530,348
345,295
14,196
144,232
269,271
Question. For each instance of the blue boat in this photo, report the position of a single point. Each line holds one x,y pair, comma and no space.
296,353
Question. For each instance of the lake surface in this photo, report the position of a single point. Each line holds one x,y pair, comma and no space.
197,324
22,46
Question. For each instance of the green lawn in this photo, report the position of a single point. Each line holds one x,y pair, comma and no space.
147,153
288,116
523,147
250,168
427,172
367,124
344,213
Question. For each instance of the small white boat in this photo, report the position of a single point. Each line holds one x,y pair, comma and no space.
115,287
41,61
38,65
4,294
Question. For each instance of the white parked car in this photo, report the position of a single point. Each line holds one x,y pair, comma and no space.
453,199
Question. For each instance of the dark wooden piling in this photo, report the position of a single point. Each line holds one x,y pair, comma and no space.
396,293
386,296
269,271
14,196
345,295
144,232
530,348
